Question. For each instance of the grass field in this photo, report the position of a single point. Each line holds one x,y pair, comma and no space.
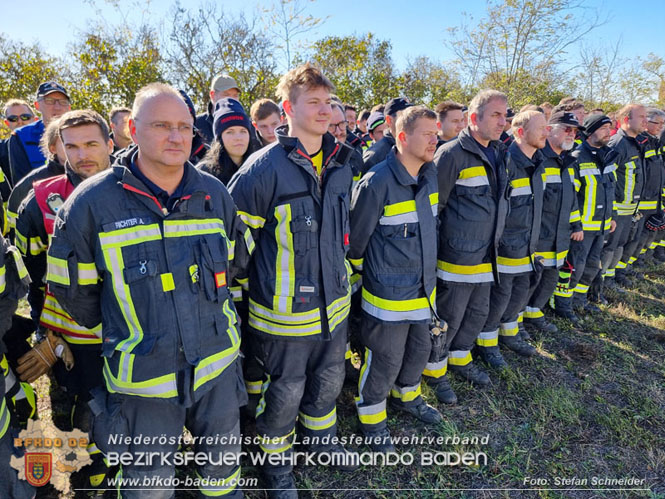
590,405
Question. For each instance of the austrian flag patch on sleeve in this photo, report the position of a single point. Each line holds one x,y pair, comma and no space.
220,279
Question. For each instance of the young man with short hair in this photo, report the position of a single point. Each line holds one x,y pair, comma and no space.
295,197
265,118
381,147
393,241
450,120
119,119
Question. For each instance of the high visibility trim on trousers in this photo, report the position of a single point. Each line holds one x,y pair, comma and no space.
261,406
648,205
632,260
610,273
533,313
564,293
318,423
653,245
436,369
488,338
581,288
459,357
357,263
221,487
253,387
513,265
473,176
464,273
161,387
236,293
348,354
275,445
406,393
644,250
3,279
621,265
396,310
356,281
364,372
552,258
372,414
509,328
520,317
211,367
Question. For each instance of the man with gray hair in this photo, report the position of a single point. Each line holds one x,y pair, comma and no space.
472,176
147,249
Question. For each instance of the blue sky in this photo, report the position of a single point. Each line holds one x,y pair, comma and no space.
415,27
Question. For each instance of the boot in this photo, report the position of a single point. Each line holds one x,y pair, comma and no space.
542,324
622,280
611,283
472,373
380,441
659,253
444,391
492,357
522,332
281,486
422,412
517,345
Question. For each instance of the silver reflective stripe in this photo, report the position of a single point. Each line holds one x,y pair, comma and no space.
364,373
554,179
88,274
589,171
472,181
392,315
150,391
521,191
489,335
192,227
371,410
406,389
514,269
435,366
257,323
609,169
297,318
444,275
284,253
318,423
459,354
403,218
3,278
214,368
509,325
113,238
4,417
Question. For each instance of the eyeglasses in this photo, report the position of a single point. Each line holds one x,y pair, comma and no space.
52,102
13,118
341,125
166,128
657,123
567,129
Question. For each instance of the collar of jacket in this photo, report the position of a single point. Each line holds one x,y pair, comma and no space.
468,143
334,153
521,160
605,155
193,184
621,133
549,153
399,170
72,176
54,167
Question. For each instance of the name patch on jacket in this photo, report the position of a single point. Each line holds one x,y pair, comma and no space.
220,279
128,222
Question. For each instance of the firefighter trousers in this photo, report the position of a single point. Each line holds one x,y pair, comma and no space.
507,299
394,359
303,380
464,307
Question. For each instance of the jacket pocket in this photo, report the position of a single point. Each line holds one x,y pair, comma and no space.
475,203
213,268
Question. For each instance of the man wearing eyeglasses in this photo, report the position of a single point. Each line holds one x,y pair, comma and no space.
17,113
24,151
148,249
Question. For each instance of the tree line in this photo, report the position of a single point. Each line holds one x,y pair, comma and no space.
524,48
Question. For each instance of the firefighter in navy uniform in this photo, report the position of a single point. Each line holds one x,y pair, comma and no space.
295,196
473,203
380,148
595,179
13,285
393,244
85,137
561,216
516,256
148,248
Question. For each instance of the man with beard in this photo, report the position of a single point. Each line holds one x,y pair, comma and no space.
473,180
560,216
595,180
516,259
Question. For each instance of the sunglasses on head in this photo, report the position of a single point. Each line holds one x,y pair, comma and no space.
24,117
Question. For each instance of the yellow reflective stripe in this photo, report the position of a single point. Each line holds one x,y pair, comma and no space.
533,313
551,258
357,262
253,221
589,209
464,273
434,198
168,283
253,387
212,366
516,183
221,487
581,288
4,417
57,270
488,338
338,311
472,171
129,236
650,153
459,357
436,369
249,241
372,414
21,242
464,269
629,178
3,279
513,265
383,308
161,387
286,318
509,328
648,205
55,317
406,393
399,208
318,423
575,216
87,273
37,246
18,261
193,227
274,445
285,267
